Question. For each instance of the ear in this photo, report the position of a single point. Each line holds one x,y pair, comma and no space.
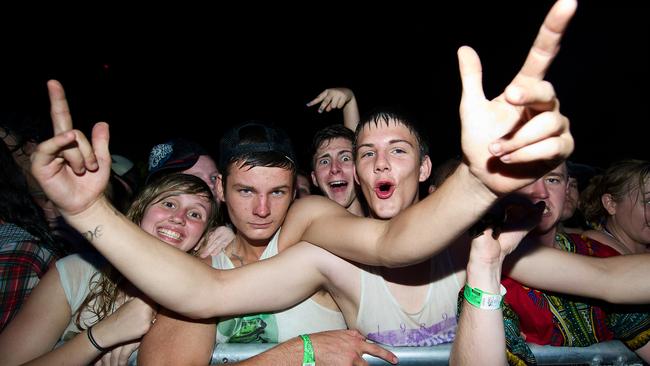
608,203
221,192
313,179
425,168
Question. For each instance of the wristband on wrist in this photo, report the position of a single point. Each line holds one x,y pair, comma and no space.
92,340
483,300
308,351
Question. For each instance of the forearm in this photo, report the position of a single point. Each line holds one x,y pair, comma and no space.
165,274
77,351
414,235
480,337
351,114
428,227
284,354
620,279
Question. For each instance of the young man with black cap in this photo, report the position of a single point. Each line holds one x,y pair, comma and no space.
257,186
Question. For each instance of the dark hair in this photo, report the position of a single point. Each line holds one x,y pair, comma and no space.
386,116
327,134
17,205
255,144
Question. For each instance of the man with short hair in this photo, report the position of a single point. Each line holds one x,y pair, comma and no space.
333,167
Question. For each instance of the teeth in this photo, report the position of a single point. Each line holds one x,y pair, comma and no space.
338,183
546,209
170,234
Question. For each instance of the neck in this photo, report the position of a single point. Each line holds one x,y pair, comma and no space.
612,229
547,238
355,208
249,250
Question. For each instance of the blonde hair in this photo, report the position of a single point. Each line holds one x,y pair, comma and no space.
108,285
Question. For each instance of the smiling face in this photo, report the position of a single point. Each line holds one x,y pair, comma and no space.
258,199
388,167
177,219
334,171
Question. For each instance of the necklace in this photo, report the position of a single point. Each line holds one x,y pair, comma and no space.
608,232
236,255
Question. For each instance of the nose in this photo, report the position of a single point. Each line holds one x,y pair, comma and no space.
177,217
335,167
262,208
381,162
538,190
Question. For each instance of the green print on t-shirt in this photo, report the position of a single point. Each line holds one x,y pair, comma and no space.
260,328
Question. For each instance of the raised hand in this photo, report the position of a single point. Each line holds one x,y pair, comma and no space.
513,139
72,172
332,98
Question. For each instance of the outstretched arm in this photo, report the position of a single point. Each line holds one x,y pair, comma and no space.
507,143
333,347
621,279
169,277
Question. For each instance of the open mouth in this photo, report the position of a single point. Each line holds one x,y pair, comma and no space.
384,189
169,234
338,185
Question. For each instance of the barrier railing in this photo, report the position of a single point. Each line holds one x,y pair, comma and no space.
607,353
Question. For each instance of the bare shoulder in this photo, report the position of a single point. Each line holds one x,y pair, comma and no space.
314,205
303,213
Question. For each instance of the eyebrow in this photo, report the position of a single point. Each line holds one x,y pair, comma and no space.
391,142
251,188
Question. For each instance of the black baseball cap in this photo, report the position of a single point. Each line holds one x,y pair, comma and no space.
174,155
254,137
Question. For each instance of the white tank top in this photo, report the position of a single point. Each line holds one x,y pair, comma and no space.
306,317
382,319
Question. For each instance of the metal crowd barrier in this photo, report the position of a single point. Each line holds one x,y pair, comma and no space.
607,353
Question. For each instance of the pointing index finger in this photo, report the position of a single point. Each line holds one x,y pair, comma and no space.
547,42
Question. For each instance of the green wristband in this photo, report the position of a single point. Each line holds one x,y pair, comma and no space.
484,300
308,351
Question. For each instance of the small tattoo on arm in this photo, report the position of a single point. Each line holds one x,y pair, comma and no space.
90,235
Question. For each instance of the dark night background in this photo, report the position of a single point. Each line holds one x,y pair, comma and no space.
196,75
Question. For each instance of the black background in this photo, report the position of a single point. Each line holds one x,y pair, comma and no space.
192,72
